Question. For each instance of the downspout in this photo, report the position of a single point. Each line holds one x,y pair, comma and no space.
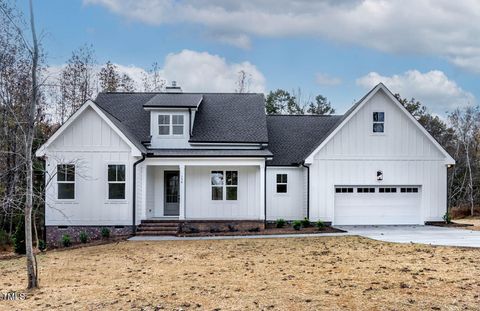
308,189
265,193
134,197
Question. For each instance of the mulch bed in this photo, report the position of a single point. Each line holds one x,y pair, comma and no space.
450,225
267,231
12,255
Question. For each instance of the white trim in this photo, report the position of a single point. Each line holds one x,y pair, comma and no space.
56,199
448,159
107,199
280,183
89,103
224,185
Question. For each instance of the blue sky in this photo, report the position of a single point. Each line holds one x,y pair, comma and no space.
351,46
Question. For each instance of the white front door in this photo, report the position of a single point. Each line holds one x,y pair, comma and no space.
374,205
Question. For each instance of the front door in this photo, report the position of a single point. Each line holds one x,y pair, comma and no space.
171,204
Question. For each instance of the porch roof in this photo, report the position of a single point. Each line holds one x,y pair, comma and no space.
209,153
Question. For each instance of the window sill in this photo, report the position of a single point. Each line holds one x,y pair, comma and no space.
123,201
66,201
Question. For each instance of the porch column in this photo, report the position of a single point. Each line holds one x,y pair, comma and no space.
143,208
262,191
181,214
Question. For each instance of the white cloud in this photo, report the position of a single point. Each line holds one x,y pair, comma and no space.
324,79
194,72
432,88
204,72
444,28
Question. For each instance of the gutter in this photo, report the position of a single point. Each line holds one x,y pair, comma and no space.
308,189
134,197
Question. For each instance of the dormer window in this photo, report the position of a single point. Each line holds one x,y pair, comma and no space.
379,122
170,124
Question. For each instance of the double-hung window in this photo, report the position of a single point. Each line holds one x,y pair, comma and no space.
116,182
282,183
224,185
379,122
66,181
170,124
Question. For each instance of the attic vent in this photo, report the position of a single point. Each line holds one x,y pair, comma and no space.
174,88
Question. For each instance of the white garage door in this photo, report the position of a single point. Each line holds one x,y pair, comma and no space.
373,205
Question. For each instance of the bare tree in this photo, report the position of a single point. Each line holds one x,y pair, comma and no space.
76,82
466,124
152,80
111,80
243,82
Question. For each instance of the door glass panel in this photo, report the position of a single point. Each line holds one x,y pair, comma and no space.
172,188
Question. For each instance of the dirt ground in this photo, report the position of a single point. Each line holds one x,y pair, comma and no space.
329,273
475,221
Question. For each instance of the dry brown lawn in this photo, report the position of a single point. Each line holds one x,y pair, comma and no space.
329,273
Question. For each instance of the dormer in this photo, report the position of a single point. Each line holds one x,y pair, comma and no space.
171,118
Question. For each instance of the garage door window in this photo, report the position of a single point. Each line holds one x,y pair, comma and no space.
409,190
344,190
365,190
387,190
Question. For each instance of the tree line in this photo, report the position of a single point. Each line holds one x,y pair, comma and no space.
33,104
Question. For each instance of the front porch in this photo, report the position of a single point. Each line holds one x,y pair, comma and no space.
201,190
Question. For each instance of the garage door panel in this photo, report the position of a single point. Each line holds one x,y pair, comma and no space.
375,208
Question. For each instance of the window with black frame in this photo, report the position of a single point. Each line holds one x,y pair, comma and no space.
66,181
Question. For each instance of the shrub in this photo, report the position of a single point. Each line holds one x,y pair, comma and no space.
5,240
254,229
83,237
305,222
42,245
66,241
447,218
297,224
105,233
320,225
232,228
280,223
19,239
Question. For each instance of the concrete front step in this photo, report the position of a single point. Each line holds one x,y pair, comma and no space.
142,228
156,233
160,221
159,225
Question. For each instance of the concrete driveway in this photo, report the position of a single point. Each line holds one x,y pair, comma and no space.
418,234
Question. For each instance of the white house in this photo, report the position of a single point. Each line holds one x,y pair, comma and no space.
163,162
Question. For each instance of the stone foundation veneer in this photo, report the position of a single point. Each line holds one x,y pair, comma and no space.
54,233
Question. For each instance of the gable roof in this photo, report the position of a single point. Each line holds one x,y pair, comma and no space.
293,137
136,147
221,117
357,106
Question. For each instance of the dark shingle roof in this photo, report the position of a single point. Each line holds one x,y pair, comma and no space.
231,118
179,100
293,138
221,117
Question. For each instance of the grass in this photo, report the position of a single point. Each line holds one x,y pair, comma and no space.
334,273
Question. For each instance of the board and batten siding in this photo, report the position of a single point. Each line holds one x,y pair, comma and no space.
354,155
198,194
91,144
291,205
